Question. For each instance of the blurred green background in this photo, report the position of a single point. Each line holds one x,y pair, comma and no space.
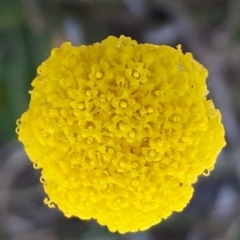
29,29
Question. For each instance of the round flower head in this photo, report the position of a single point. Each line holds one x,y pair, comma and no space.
120,131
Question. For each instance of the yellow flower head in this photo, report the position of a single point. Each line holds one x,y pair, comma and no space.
120,131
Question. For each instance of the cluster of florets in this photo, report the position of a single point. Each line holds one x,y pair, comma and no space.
120,131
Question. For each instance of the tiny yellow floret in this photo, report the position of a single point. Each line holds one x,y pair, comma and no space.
120,131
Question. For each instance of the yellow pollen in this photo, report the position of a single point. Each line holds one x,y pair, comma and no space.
121,126
89,93
159,142
135,182
134,165
162,165
99,75
117,202
102,98
90,128
92,194
149,109
145,141
131,134
136,74
152,153
142,112
200,124
90,140
185,139
102,181
123,104
110,151
122,163
176,119
81,105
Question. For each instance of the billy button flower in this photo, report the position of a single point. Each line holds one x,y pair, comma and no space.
121,131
